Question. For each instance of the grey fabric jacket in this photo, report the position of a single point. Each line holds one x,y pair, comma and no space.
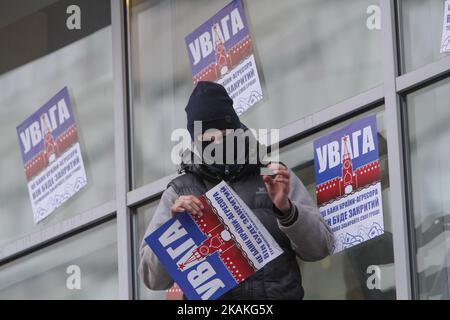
302,233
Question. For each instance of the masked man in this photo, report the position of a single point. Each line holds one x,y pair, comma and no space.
280,201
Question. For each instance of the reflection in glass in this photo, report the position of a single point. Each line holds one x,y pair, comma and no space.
421,25
307,60
429,137
45,274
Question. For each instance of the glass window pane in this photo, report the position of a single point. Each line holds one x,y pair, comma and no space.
45,274
344,275
429,136
307,60
32,74
421,25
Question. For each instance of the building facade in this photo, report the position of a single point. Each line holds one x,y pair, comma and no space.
322,64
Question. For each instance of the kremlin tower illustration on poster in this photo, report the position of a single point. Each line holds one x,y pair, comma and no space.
225,60
350,180
219,240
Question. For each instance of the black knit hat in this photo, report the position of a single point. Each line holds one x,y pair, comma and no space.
211,104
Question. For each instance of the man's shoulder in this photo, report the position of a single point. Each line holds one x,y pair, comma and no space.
185,182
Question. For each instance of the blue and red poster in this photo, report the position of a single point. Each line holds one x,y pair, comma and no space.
348,187
209,255
51,155
221,50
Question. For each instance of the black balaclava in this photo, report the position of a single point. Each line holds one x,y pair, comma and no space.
211,104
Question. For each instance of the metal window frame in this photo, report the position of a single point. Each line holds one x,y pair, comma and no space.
57,232
394,134
423,76
121,140
392,92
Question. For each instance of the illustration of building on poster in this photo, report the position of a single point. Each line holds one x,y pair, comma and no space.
348,186
209,255
51,155
221,50
445,43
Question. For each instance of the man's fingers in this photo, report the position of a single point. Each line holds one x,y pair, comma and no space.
268,181
281,172
189,203
177,209
276,166
193,207
193,199
198,202
281,180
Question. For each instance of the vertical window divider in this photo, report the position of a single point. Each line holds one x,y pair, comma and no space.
122,173
402,265
409,202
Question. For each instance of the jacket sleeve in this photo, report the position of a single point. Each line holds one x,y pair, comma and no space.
310,236
150,269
